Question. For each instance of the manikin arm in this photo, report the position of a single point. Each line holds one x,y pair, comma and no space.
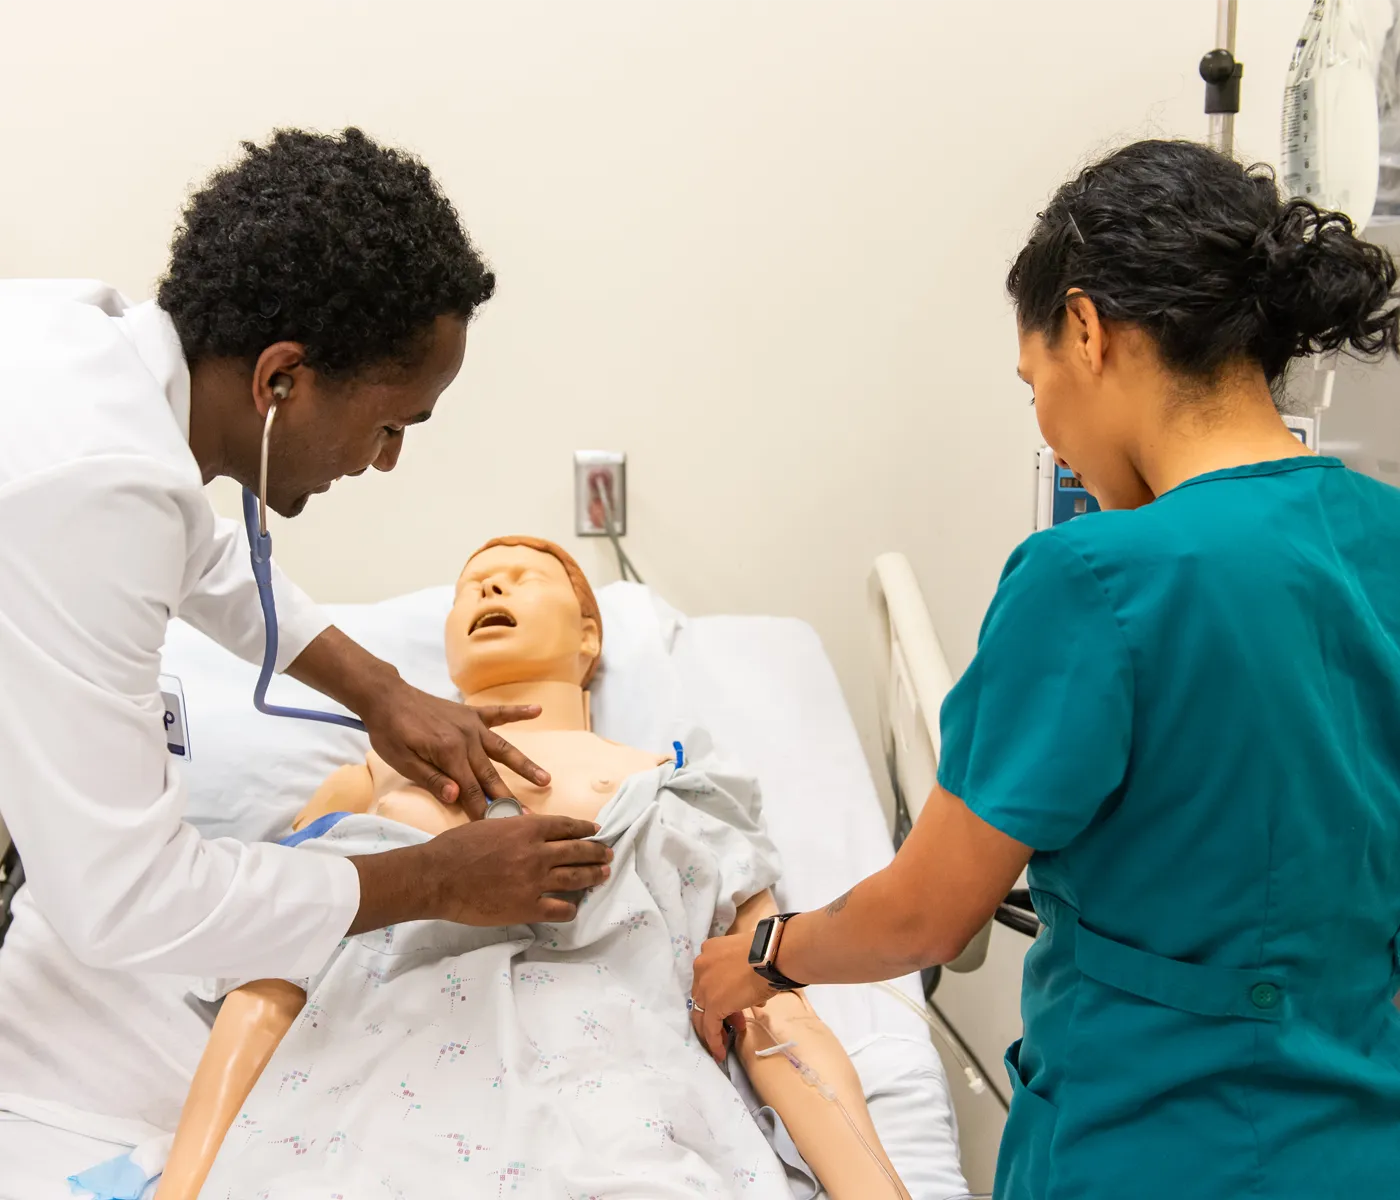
356,788
255,1018
346,789
251,1023
836,1137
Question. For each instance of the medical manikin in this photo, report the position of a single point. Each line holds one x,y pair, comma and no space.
526,629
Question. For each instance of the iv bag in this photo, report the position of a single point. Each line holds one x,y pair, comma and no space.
1331,129
1388,94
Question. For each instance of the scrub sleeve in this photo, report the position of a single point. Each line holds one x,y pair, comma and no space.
1036,738
1037,732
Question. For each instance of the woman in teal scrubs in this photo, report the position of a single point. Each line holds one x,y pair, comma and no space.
1184,713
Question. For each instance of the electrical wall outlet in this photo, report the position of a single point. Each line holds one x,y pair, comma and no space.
599,473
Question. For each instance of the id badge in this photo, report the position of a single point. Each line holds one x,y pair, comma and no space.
177,722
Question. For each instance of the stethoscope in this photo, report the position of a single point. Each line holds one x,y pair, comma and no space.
260,554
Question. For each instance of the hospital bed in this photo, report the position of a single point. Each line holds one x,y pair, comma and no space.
975,1016
92,1062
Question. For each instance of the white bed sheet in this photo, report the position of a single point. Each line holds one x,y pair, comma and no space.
37,1156
766,691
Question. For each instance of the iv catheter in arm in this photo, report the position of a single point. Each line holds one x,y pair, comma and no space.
260,553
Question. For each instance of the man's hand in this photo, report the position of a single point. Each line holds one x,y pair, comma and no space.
447,748
504,872
442,746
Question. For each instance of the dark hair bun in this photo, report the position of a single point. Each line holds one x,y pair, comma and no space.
1203,254
1322,287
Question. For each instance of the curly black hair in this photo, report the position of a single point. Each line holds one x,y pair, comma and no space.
1203,254
334,241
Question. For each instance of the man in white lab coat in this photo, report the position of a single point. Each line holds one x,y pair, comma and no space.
333,274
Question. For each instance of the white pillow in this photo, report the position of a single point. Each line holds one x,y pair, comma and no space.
249,774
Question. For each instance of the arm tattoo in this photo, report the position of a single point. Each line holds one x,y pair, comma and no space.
838,904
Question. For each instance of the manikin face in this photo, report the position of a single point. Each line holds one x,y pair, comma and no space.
516,619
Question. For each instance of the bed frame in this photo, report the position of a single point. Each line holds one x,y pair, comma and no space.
912,679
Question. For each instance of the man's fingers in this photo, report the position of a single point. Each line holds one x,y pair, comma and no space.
739,1022
576,879
577,853
452,755
486,776
555,910
431,780
503,752
472,799
503,714
557,828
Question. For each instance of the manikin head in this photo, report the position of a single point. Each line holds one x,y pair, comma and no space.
328,274
523,614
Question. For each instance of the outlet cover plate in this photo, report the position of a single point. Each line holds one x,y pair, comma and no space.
588,515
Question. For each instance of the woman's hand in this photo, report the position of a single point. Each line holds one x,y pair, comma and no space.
724,985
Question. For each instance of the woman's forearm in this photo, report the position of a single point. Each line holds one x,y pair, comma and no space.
943,886
857,938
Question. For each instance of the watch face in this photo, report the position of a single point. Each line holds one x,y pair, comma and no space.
760,940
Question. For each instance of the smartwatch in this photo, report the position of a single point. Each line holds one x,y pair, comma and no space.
763,954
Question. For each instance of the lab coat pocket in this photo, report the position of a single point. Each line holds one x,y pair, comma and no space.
1023,1163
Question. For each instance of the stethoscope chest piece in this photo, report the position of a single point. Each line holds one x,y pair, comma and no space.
504,807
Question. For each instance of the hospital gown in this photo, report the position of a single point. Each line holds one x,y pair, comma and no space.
548,1061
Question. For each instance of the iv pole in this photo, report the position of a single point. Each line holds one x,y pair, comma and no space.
1222,75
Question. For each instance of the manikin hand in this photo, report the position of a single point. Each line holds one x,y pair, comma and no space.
446,748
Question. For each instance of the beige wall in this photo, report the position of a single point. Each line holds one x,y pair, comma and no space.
758,246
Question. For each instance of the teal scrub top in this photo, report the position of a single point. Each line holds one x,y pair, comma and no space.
1191,712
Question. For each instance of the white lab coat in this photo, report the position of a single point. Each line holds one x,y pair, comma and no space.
105,534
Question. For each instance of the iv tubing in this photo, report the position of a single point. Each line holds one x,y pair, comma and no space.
826,1092
971,1071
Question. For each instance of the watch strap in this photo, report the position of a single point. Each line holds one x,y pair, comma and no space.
778,979
769,971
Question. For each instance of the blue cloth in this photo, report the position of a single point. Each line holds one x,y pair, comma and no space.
317,827
116,1179
1191,712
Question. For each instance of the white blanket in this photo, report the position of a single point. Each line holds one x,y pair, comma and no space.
555,1062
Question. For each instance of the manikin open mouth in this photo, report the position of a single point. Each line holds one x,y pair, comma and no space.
492,618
